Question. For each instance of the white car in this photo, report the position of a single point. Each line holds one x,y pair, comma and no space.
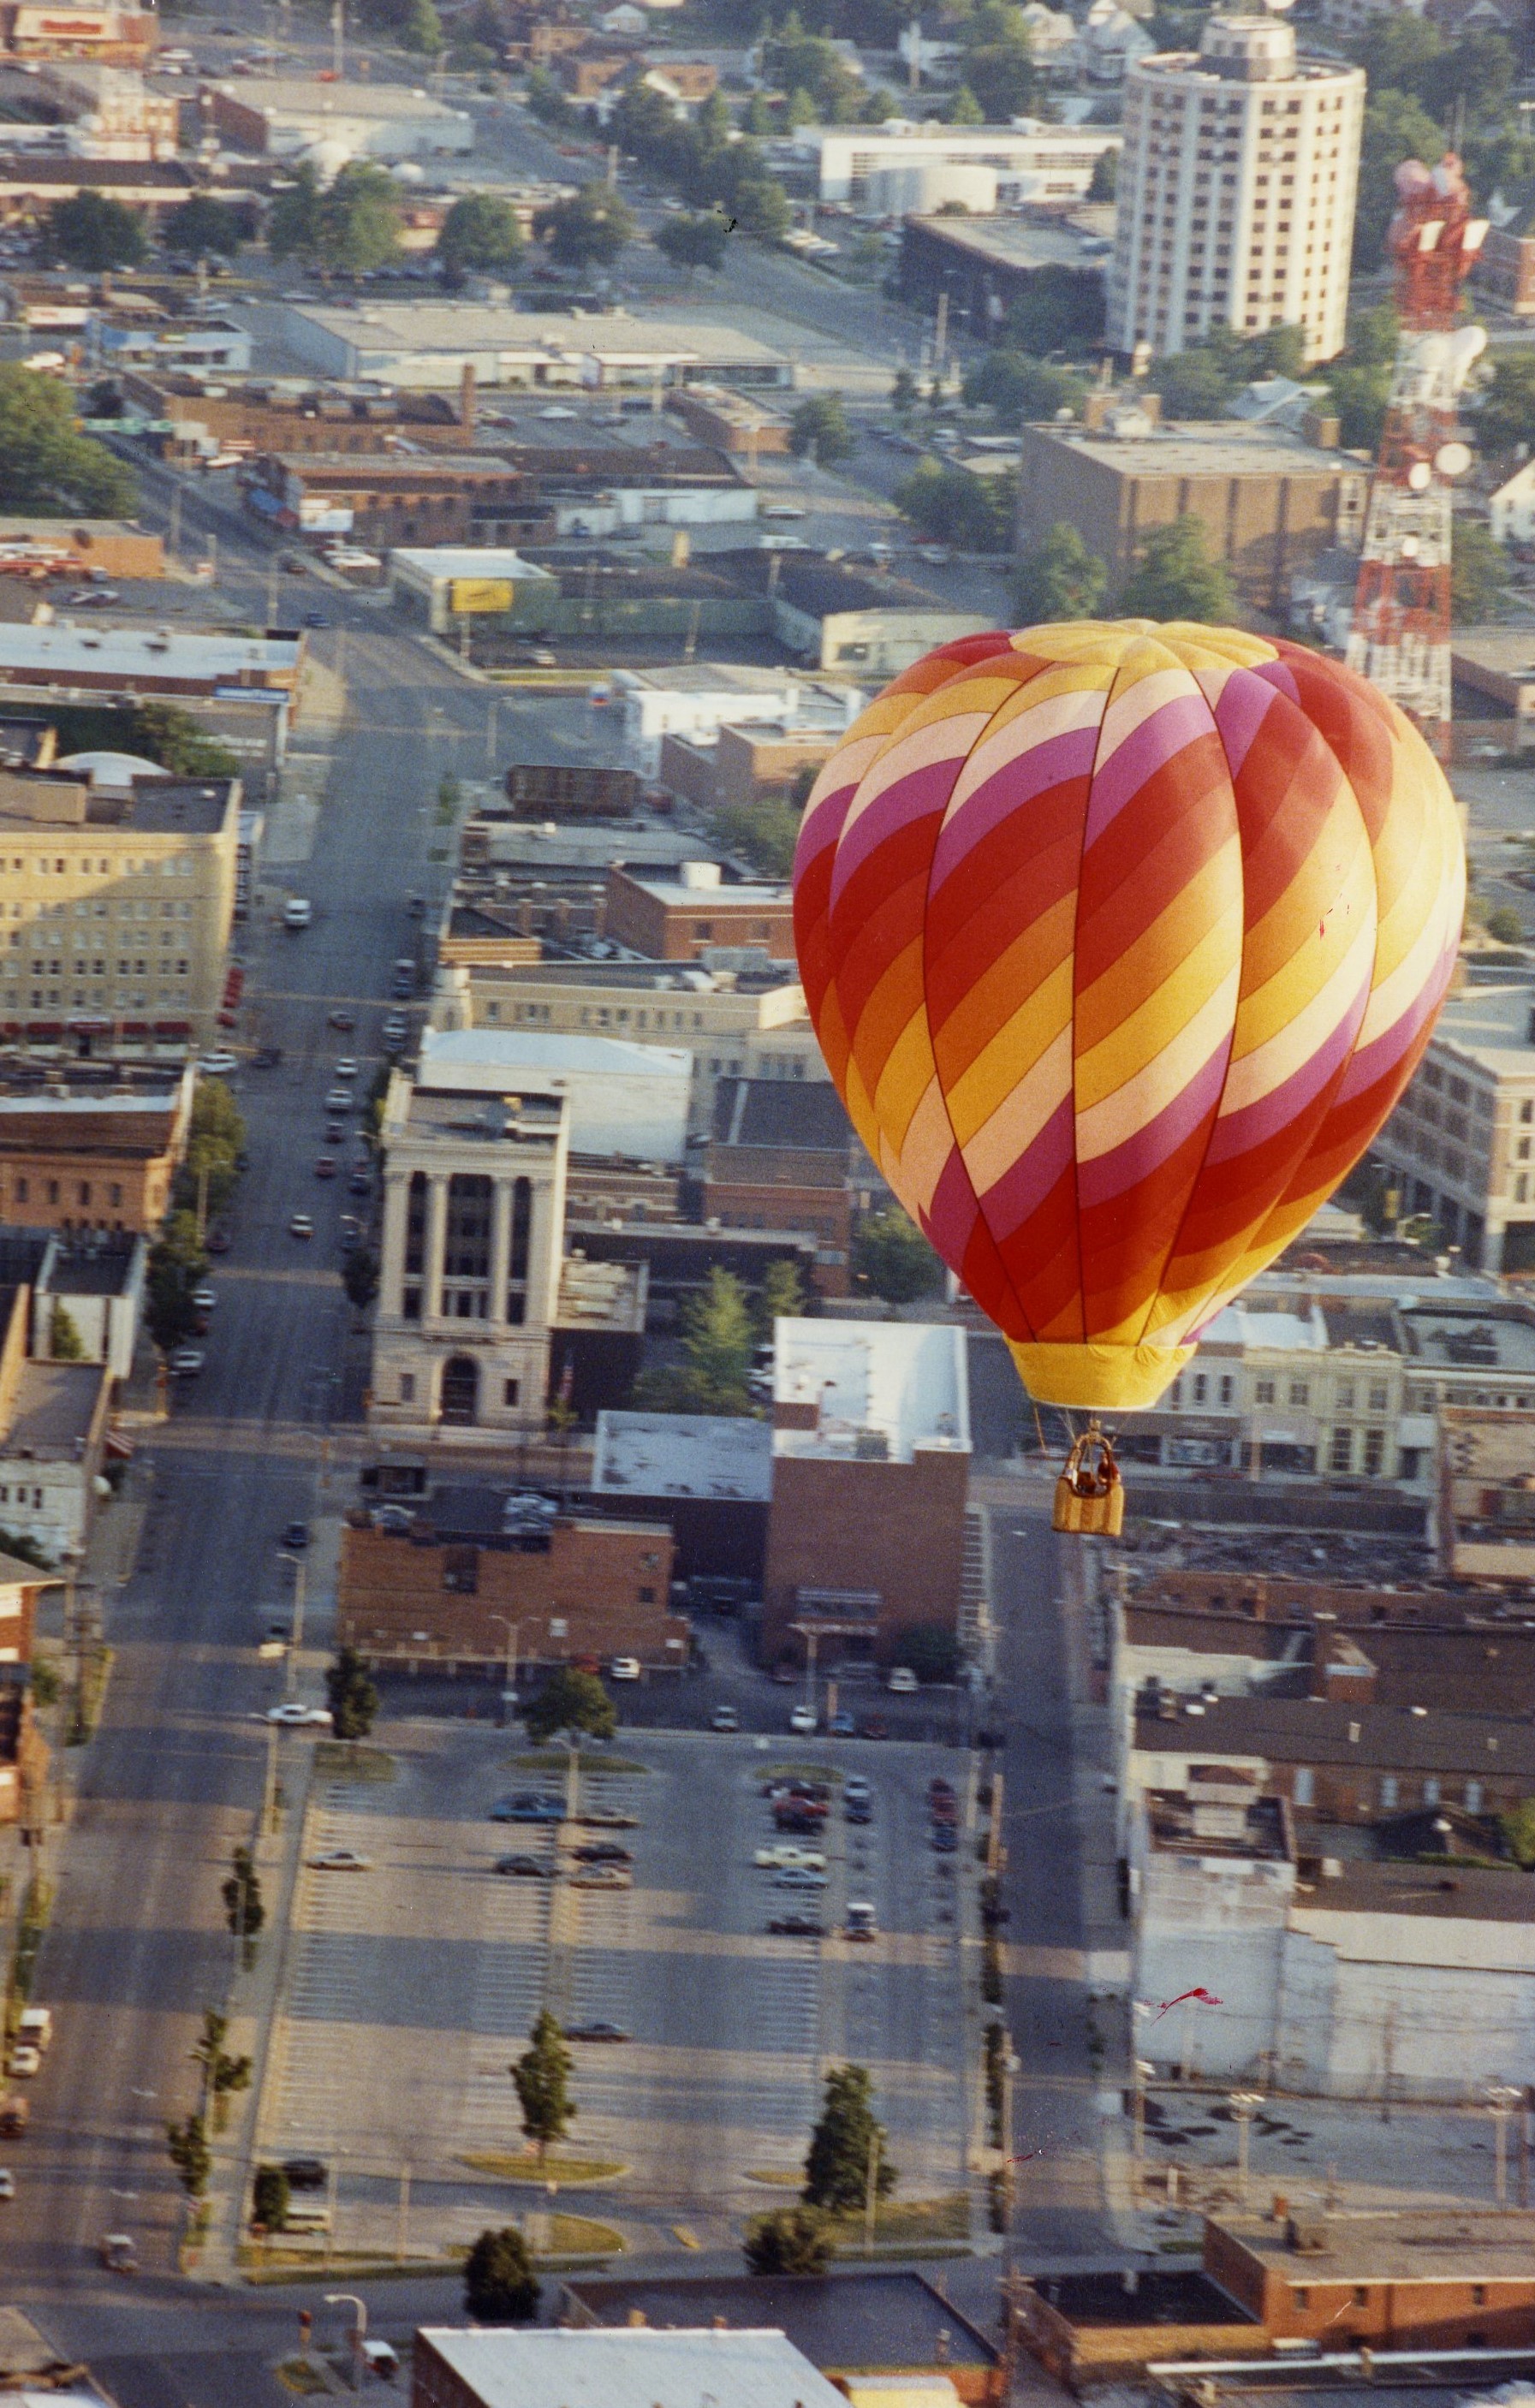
902,1682
339,1099
23,2062
7,2183
205,1299
558,409
340,1860
624,1668
301,1225
186,1362
783,511
802,1718
217,1066
778,1858
298,1717
346,1067
383,2360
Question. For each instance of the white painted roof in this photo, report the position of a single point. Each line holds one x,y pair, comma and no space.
138,652
482,1057
457,560
905,1379
633,2368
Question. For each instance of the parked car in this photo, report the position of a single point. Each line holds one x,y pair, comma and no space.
298,1717
218,1241
855,1790
529,1867
874,1726
902,1682
944,1839
360,1183
294,1533
782,1854
724,1718
802,1718
382,2360
527,1809
23,2062
326,1166
218,1065
596,2030
306,2173
608,1818
602,1877
842,1724
300,1225
339,1099
801,1877
186,1361
345,1069
340,1860
603,1852
205,1297
624,1668
859,1815
798,1927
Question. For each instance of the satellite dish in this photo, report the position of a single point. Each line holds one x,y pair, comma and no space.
1420,477
1453,459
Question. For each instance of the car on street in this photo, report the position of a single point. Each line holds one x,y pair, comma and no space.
93,597
798,1927
603,1852
360,1184
724,1718
7,2183
24,2062
783,1854
855,1790
802,1718
300,1225
306,2173
315,619
783,511
266,1057
859,1815
340,1860
343,1019
596,2030
345,1069
602,1877
339,1099
800,1877
624,1668
296,1717
294,1533
396,1028
218,1241
944,1839
326,1166
527,1809
608,1818
205,1297
218,1065
558,409
902,1682
526,1868
842,1724
874,1726
186,1361
382,2360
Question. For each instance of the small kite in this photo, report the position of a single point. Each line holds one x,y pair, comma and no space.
1205,1998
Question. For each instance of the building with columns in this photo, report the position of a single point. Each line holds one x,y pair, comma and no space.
470,1275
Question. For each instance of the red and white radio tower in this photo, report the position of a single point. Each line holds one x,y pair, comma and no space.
1400,634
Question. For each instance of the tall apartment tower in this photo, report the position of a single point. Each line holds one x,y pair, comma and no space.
1237,190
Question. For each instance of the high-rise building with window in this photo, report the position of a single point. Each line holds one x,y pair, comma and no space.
1237,190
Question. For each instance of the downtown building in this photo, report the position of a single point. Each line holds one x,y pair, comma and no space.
1236,192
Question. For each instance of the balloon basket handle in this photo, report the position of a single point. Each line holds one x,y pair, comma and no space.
1090,1493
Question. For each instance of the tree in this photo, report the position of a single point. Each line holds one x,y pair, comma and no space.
762,209
1505,414
964,110
931,1653
845,2144
1506,926
1015,387
215,1147
892,1258
998,64
795,61
781,1297
47,465
1478,573
421,32
202,228
788,2241
1058,578
1176,578
270,2198
546,101
350,1694
693,242
542,2078
245,1911
951,506
765,831
499,2285
359,219
717,1345
903,392
64,1344
95,232
1059,309
1395,127
588,228
1103,183
222,2074
294,226
186,2145
480,232
570,1700
163,732
169,1312
1518,1829
360,1278
819,428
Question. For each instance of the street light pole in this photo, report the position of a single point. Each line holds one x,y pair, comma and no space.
301,1571
359,2331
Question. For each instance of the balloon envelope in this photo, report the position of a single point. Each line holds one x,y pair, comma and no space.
1121,942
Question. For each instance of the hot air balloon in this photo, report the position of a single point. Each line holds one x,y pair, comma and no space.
1121,942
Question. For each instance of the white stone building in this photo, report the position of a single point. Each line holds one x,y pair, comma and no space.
1462,1139
1237,190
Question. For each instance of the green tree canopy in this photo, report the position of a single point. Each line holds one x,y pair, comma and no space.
1397,127
201,228
762,209
764,832
570,1700
1058,578
1103,183
1505,924
95,232
422,30
64,1343
964,110
541,2076
1175,578
998,64
846,2143
930,1652
353,227
350,1694
270,2198
1017,387
819,424
781,1297
1518,1825
951,506
170,735
788,2241
587,229
695,241
1060,309
894,1258
245,1910
186,2145
499,2285
1505,414
480,232
796,60
47,465
360,1277
717,1348
1478,573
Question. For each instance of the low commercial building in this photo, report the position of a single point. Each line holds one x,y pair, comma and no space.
110,545
871,1447
284,115
987,265
76,1157
431,343
111,113
784,1156
634,2368
696,699
1032,160
116,905
679,918
65,656
53,1419
730,422
469,1588
118,36
523,891
34,182
622,1098
866,624
1461,1142
1485,1520
211,344
708,1475
442,585
1269,502
388,499
1490,665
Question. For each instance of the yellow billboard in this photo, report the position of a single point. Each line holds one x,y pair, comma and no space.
473,593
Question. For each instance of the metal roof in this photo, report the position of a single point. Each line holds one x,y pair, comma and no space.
632,2368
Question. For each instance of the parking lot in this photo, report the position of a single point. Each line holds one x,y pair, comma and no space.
411,1984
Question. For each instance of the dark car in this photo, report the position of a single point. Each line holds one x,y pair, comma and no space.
324,1166
945,1838
530,1867
295,1534
860,1813
360,1184
306,2173
527,1809
266,1057
608,1818
341,1019
874,1726
843,1724
218,1241
942,1809
798,1927
315,619
595,2032
938,1788
603,1852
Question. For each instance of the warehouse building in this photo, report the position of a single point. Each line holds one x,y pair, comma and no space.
285,116
431,343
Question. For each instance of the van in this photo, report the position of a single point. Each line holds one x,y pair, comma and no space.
862,1923
35,2028
297,911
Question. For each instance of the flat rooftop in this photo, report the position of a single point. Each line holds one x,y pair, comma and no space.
1159,2296
57,649
880,1388
458,560
479,1119
738,893
601,1296
55,1405
297,96
1021,242
682,1455
1319,1731
1490,1024
481,1060
454,326
1472,1898
864,2319
1455,2244
1183,449
632,2369
1462,1339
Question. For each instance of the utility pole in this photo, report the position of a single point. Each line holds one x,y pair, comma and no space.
1243,2105
402,2222
173,536
358,2335
491,735
871,2185
1503,2098
338,39
271,592
301,1572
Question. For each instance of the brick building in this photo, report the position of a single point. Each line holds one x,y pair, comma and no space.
783,1155
872,1450
678,917
386,500
78,1156
1504,272
464,1589
260,419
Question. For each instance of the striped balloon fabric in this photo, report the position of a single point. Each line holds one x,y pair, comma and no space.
1121,942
